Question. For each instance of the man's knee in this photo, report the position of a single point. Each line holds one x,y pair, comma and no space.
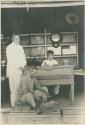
37,94
26,97
44,97
29,95
45,89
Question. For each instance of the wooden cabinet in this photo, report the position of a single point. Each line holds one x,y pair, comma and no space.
37,45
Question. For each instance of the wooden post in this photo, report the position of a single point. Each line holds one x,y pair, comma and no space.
72,93
45,44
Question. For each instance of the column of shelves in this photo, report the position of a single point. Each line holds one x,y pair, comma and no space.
37,49
71,42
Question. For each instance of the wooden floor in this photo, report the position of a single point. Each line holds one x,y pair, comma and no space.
71,114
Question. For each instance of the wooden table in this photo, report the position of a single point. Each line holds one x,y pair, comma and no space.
79,72
57,75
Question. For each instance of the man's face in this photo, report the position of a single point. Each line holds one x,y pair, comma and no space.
50,56
16,39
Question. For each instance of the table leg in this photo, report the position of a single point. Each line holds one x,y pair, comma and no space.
72,93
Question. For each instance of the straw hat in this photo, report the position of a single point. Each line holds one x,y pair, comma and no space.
72,18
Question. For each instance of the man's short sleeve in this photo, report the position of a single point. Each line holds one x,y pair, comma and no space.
43,63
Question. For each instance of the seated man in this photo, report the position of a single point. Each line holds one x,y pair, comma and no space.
40,92
30,91
51,62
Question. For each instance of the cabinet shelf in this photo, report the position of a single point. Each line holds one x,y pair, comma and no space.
62,44
32,57
36,48
70,43
33,34
28,46
62,56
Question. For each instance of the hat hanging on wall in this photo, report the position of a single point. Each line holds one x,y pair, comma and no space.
72,18
55,38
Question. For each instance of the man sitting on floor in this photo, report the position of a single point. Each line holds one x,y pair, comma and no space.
30,90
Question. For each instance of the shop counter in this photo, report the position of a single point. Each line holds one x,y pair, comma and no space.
57,75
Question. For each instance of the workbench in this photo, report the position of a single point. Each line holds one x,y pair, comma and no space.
57,75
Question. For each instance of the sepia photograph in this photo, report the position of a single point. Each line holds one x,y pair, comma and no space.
42,62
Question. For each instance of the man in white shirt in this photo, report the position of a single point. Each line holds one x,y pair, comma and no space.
51,62
16,62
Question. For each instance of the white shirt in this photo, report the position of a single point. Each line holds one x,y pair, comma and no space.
15,58
49,62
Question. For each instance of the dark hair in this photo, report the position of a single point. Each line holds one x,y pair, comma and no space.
13,36
50,52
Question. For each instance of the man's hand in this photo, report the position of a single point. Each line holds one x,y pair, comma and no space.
21,68
33,72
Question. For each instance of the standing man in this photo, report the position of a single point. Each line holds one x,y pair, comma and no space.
16,62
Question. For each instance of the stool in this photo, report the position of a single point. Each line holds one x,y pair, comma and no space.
22,106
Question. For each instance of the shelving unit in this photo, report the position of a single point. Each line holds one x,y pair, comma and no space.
40,43
36,46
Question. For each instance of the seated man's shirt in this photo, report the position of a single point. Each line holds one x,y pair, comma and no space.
49,62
